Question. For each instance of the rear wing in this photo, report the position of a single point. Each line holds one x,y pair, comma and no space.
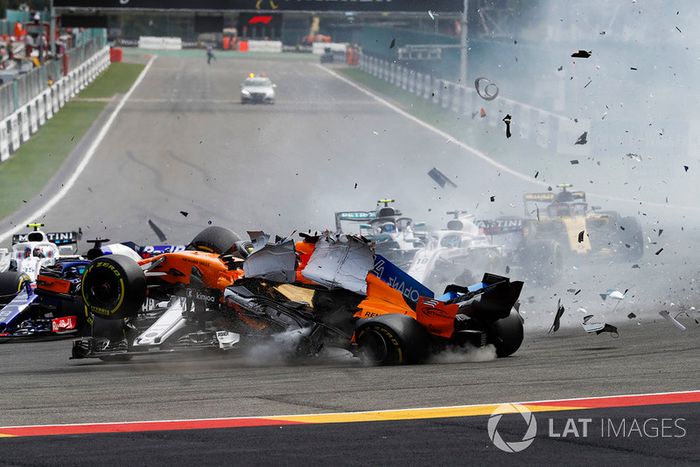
353,216
547,197
499,226
57,238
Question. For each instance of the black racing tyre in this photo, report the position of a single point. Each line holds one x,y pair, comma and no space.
393,339
11,283
543,261
215,239
632,236
507,334
114,287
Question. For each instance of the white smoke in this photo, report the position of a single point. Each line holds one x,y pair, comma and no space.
465,354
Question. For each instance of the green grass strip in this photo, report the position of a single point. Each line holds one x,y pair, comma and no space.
31,167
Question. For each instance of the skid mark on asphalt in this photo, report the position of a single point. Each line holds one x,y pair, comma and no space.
632,400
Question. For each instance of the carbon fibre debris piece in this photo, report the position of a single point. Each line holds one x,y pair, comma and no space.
557,318
440,178
159,233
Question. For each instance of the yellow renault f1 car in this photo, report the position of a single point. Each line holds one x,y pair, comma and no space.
579,229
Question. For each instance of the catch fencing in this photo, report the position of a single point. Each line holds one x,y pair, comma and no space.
552,132
30,101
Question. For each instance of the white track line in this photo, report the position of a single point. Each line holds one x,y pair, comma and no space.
430,127
486,158
68,184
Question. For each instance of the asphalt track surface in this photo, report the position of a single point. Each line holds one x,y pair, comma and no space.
183,142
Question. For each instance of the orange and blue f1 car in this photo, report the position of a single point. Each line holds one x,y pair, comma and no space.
322,291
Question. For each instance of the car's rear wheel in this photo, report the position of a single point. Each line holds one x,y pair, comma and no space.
392,339
507,334
215,239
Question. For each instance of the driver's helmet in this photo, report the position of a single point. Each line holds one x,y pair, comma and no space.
387,228
564,197
38,252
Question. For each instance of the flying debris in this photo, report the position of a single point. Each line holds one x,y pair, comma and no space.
440,178
631,316
580,236
159,233
185,213
507,120
557,317
432,16
634,156
393,43
583,139
599,328
613,295
486,89
582,54
666,315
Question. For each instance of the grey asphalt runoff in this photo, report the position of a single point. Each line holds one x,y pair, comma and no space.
40,385
183,142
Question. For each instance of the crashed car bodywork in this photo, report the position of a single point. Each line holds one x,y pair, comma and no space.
327,291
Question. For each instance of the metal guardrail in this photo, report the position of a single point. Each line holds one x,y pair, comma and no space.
20,125
25,87
550,131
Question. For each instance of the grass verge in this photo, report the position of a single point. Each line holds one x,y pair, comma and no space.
31,167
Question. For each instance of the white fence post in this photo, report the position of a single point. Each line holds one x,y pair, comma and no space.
446,92
437,89
33,117
24,123
53,92
73,83
14,132
456,98
4,141
61,86
41,109
46,97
